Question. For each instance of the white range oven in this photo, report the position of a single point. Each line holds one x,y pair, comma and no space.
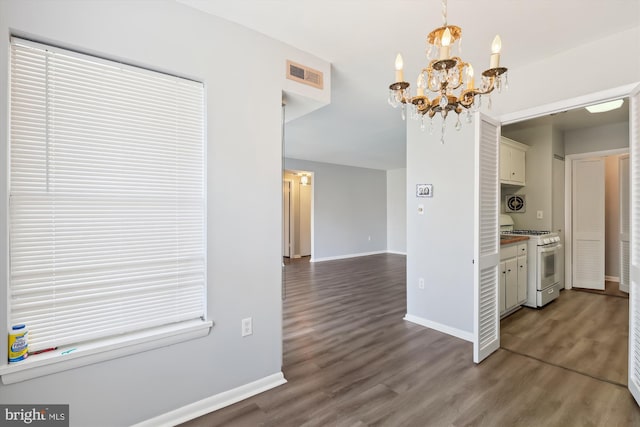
543,263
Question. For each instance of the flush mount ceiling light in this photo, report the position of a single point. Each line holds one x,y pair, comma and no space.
605,106
449,78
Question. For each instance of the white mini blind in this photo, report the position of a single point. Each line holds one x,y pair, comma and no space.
106,197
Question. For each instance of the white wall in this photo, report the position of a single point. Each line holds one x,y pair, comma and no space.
166,35
538,170
597,138
572,73
440,242
349,209
397,210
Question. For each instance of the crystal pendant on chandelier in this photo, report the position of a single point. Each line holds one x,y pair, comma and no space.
447,83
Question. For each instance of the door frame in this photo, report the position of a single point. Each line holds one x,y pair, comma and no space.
568,197
624,287
557,107
627,92
312,176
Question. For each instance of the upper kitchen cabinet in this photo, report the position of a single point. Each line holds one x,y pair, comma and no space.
512,161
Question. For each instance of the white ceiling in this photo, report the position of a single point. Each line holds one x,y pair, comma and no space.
361,38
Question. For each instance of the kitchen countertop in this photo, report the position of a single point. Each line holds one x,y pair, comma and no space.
512,239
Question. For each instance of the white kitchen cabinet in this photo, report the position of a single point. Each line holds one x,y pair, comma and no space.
513,276
503,286
522,277
511,283
512,162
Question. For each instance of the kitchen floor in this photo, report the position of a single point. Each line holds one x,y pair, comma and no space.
583,332
610,288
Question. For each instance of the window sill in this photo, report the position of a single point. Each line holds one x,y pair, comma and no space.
66,358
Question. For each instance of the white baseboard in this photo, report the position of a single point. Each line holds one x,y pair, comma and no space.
396,252
458,333
612,279
333,258
213,403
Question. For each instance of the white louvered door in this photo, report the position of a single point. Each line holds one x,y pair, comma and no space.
588,223
487,239
625,250
634,288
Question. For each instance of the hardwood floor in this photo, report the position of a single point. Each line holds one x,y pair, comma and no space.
610,288
582,331
350,360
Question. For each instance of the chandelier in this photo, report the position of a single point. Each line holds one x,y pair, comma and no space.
449,80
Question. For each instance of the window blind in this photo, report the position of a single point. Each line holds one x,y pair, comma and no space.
106,201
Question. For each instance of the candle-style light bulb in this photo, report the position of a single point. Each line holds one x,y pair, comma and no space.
496,46
446,37
399,65
470,81
445,43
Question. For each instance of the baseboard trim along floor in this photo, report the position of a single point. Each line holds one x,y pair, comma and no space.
458,333
333,258
215,402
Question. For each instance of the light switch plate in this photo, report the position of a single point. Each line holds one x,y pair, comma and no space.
420,209
539,214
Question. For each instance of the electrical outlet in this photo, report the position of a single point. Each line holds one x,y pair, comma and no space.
539,215
421,283
369,238
420,209
247,326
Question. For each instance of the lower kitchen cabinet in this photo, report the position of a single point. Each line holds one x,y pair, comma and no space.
513,276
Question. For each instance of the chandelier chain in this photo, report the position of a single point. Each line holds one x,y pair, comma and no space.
444,13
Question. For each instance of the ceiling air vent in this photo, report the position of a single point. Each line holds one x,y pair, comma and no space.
303,74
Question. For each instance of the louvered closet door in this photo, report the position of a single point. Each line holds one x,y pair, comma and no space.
588,223
634,288
487,240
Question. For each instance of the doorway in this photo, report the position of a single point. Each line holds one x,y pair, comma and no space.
597,221
566,332
297,187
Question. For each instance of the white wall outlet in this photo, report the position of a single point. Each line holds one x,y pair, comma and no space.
421,283
420,209
539,215
369,238
247,326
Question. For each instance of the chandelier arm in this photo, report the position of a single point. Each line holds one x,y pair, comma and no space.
489,89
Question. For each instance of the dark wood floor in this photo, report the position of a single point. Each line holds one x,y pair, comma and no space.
610,288
585,332
350,360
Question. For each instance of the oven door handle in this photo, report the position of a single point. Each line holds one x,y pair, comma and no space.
550,248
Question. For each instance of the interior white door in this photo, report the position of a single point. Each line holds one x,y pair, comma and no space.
286,218
588,223
625,250
487,239
634,284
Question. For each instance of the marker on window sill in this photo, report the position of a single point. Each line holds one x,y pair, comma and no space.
43,351
68,351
